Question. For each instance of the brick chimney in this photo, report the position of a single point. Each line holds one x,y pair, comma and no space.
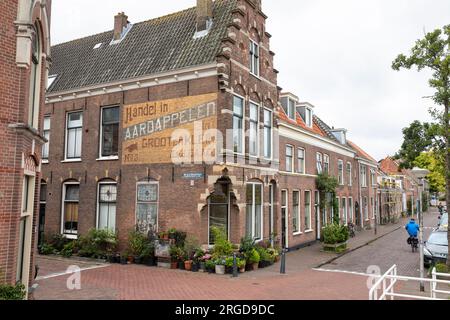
120,22
204,14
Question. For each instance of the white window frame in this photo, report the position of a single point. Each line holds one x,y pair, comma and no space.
341,175
321,170
308,117
350,208
286,207
100,150
35,79
46,132
66,158
271,135
258,109
309,213
363,175
292,158
63,207
254,58
292,115
102,183
301,168
242,142
326,163
373,177
344,209
350,173
254,184
366,208
297,214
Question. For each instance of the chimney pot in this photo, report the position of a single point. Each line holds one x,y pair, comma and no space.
120,22
204,14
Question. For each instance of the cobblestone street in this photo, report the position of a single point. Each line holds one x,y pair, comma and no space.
302,281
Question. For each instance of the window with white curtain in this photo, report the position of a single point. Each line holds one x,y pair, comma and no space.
253,135
46,133
301,161
238,124
74,134
254,212
268,119
107,204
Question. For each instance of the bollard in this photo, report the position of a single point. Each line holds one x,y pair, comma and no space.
235,270
283,262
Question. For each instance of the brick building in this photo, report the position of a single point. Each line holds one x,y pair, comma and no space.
308,147
115,100
406,183
117,159
24,59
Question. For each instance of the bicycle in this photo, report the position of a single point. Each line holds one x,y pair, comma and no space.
351,230
414,242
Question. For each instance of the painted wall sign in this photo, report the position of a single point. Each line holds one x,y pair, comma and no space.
148,127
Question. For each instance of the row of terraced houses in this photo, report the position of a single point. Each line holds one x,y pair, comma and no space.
121,106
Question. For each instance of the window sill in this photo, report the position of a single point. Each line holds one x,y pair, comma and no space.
71,160
70,236
255,75
114,158
309,231
45,162
297,234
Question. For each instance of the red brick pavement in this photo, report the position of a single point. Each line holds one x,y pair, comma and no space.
144,283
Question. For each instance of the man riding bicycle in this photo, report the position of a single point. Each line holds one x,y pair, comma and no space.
413,228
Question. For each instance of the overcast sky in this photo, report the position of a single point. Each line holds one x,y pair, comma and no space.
336,55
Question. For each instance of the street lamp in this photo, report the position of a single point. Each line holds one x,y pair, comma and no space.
421,174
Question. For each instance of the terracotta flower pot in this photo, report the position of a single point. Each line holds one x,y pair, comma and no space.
188,265
174,265
255,266
242,270
130,259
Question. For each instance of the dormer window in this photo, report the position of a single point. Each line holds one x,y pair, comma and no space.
340,135
308,117
288,105
306,112
50,81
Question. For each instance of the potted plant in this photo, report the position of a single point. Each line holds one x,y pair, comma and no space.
198,255
241,265
174,254
335,238
124,258
220,265
172,232
253,259
136,244
210,266
203,261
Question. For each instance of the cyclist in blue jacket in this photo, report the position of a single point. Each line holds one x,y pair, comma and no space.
413,228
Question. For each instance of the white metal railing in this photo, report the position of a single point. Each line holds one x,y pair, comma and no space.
387,283
434,289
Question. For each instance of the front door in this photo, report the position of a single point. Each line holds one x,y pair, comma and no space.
357,214
317,214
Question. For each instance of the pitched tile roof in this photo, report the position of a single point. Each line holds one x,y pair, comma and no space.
158,45
361,153
299,122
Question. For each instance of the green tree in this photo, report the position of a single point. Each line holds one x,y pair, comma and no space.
417,138
433,53
436,165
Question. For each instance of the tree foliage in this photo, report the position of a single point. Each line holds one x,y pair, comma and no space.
433,52
435,163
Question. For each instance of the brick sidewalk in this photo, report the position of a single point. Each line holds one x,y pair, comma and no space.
145,283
